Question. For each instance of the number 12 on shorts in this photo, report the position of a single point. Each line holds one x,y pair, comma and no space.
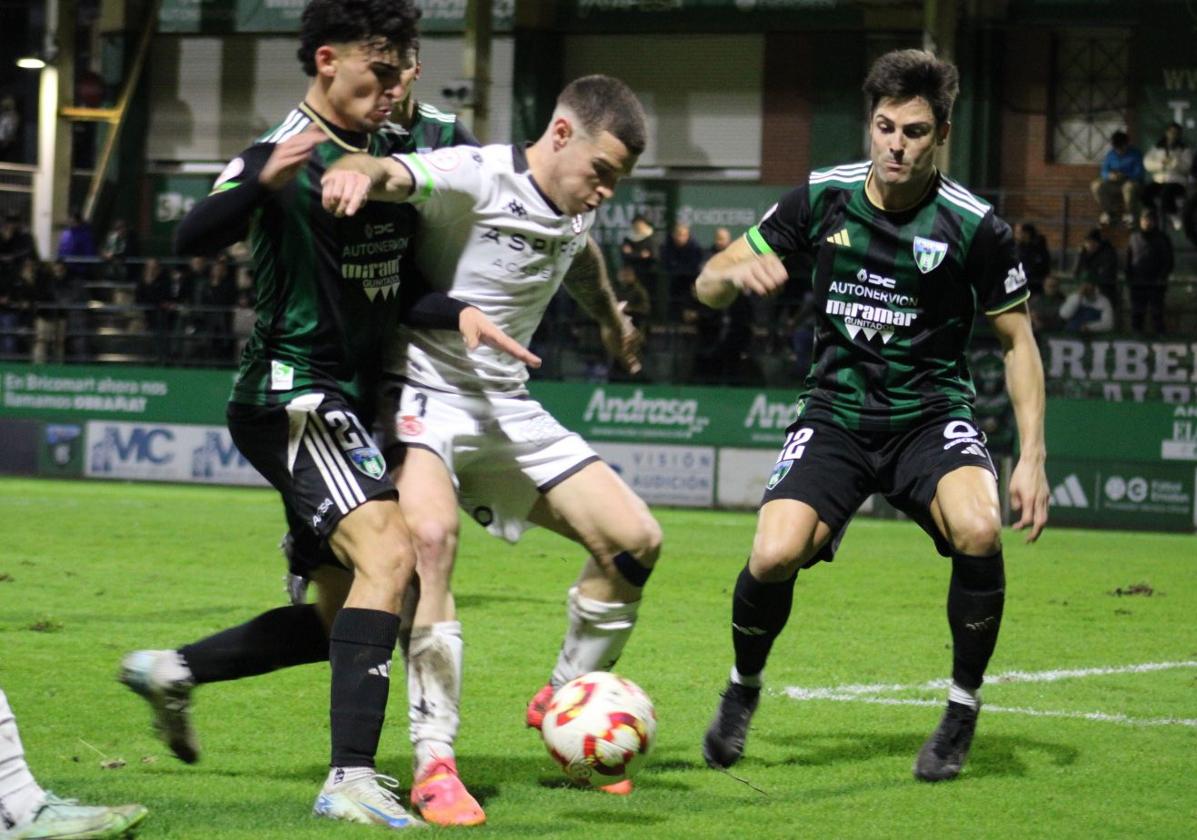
795,444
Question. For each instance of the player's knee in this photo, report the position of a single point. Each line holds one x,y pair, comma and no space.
775,557
645,544
978,535
435,541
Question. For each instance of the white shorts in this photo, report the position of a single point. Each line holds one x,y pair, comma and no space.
503,452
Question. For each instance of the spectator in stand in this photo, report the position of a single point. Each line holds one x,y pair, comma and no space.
1033,254
38,312
636,300
1087,311
1168,163
1045,307
681,260
118,246
71,339
16,246
77,240
1149,262
1120,186
244,319
10,130
216,298
639,251
722,239
10,316
1097,263
150,296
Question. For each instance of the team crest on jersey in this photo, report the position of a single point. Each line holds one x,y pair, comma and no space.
411,425
368,461
779,472
578,223
928,253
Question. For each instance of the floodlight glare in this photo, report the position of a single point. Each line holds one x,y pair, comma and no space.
31,62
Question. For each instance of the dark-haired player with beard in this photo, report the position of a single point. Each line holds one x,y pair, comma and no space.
904,257
329,291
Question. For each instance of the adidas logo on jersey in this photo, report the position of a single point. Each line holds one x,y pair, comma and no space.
1069,493
840,238
973,449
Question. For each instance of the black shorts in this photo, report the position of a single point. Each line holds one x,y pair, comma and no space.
834,470
316,453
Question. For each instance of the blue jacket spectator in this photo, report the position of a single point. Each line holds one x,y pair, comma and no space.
1118,189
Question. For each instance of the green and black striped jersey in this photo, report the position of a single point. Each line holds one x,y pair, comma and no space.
327,289
896,295
430,129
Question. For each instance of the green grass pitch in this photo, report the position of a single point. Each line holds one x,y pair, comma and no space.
1082,739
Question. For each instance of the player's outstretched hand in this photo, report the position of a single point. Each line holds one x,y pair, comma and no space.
762,276
345,191
624,343
288,157
1029,496
477,329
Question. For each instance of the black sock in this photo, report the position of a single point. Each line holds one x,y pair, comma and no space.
759,613
975,599
361,648
277,639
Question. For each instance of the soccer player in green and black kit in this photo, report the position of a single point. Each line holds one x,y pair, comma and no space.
329,292
903,259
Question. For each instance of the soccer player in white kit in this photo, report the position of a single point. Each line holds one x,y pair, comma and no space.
504,227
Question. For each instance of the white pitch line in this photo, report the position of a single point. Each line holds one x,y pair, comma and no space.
1005,677
823,694
866,693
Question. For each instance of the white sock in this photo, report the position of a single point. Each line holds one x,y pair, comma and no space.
434,663
339,775
963,696
752,681
20,795
595,637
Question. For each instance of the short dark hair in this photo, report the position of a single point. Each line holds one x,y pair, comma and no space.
1094,235
604,103
905,74
1119,138
390,22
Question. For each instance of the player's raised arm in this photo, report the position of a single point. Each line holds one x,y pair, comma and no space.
587,282
222,218
738,268
355,179
1029,491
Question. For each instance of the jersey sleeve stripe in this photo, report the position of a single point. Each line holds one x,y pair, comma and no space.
1008,306
413,163
757,242
964,196
972,208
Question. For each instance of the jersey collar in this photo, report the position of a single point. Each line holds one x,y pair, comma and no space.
519,161
350,141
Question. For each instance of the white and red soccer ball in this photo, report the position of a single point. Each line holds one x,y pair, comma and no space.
599,728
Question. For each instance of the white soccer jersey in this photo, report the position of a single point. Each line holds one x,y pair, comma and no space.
489,236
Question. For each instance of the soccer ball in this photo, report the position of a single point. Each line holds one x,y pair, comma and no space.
599,727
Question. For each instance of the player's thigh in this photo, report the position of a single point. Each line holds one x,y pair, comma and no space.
941,475
967,511
788,536
821,476
373,540
594,507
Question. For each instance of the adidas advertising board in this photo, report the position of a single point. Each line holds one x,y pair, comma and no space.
1148,496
